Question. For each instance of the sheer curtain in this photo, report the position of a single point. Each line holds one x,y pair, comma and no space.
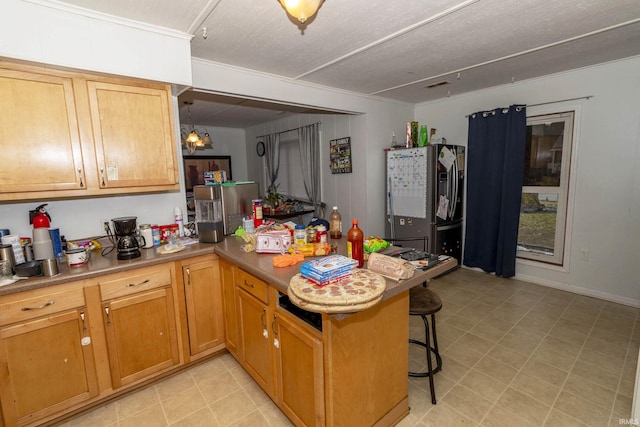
495,171
309,142
272,156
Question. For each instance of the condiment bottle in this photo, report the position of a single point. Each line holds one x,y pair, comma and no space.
335,224
300,235
321,234
177,215
355,243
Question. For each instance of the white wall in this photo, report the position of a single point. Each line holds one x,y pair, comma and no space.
360,194
226,142
605,219
66,36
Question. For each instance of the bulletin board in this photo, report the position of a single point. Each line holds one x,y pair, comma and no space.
340,155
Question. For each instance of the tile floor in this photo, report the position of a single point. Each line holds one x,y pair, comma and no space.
514,353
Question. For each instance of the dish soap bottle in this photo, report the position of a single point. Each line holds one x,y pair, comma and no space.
355,243
335,224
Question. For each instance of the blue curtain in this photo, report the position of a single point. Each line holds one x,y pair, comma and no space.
495,171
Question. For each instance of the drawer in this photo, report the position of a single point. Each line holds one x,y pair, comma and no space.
43,302
134,281
251,284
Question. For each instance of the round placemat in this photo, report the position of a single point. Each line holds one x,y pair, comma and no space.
362,287
329,309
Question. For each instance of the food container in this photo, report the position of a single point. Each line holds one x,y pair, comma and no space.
168,230
28,269
321,234
78,257
155,231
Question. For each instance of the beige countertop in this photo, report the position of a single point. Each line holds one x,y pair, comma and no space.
259,265
99,265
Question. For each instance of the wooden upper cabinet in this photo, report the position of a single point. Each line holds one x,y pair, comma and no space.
69,134
39,136
133,135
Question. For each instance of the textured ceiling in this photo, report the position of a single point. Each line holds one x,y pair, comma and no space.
389,49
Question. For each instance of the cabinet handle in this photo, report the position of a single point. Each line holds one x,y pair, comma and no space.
188,276
84,327
129,285
38,307
106,310
262,317
81,177
102,177
251,285
273,325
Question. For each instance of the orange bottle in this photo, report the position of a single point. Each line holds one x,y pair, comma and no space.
355,243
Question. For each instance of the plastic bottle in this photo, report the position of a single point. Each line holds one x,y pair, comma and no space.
177,215
300,235
335,224
424,136
355,243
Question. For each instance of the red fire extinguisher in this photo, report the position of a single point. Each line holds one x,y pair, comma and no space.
39,217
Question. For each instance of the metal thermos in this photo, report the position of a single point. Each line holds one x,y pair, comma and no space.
6,252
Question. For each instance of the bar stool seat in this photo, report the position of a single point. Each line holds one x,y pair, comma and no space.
424,302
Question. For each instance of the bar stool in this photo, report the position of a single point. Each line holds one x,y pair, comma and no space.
424,302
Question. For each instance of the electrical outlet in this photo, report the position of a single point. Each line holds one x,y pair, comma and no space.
583,255
104,225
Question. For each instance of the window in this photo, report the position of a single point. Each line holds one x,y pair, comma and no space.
543,211
290,181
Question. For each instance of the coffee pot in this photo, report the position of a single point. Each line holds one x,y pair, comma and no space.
127,243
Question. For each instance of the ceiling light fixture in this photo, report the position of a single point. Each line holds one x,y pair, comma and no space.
301,9
191,138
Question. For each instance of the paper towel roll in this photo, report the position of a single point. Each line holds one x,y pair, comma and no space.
14,241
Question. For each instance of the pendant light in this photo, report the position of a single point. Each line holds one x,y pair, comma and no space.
301,9
191,138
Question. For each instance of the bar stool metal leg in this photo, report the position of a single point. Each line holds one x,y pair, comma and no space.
429,349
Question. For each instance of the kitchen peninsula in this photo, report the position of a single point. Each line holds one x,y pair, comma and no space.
351,369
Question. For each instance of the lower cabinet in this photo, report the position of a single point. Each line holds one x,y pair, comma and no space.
139,323
46,355
71,345
254,314
229,308
299,370
203,299
282,353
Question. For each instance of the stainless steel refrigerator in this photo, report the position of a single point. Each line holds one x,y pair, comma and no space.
425,187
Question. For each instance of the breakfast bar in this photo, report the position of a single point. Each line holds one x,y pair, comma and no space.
363,380
347,368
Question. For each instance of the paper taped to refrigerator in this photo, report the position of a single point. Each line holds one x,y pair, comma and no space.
407,177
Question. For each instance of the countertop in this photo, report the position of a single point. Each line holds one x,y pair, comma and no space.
99,265
259,265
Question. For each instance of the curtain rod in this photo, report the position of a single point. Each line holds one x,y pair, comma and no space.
562,100
288,130
551,102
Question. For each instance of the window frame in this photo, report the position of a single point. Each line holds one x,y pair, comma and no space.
564,190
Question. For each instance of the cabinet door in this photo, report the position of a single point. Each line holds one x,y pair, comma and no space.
299,367
255,333
230,310
141,335
39,136
134,135
203,294
46,366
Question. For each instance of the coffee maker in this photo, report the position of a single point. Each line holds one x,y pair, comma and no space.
126,241
208,200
